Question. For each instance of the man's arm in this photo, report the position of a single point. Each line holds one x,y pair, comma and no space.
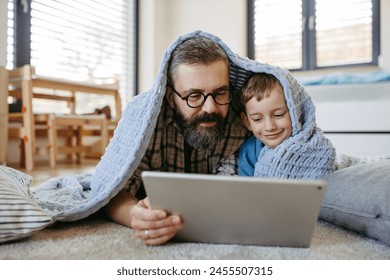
119,208
152,226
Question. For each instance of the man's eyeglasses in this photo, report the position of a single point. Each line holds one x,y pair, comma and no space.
196,99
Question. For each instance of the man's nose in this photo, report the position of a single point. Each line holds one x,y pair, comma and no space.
209,105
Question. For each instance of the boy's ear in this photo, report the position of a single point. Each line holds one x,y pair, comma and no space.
245,120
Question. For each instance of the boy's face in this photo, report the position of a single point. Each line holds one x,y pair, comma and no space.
269,118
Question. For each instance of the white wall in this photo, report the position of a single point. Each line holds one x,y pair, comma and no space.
355,114
161,22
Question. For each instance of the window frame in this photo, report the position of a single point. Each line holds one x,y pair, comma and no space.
22,39
309,61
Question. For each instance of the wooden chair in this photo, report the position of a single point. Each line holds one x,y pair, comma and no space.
75,125
25,85
16,131
3,115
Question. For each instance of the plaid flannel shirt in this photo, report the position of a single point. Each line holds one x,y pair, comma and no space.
166,151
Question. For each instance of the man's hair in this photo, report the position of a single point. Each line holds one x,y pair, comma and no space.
259,86
196,50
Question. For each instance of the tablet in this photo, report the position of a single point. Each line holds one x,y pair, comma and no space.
238,210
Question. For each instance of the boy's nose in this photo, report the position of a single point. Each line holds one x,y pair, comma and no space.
269,124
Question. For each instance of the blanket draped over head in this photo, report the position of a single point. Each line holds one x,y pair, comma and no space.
307,153
78,196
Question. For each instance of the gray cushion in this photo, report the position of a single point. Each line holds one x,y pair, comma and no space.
358,198
20,216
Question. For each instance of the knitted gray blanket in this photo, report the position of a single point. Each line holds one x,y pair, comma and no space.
307,153
76,197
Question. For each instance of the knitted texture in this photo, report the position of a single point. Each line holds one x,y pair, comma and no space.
135,129
307,153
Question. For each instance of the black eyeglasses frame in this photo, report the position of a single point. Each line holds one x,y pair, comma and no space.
205,96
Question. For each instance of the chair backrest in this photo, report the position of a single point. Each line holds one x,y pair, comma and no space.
3,115
17,74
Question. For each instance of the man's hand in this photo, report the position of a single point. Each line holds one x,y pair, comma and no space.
153,226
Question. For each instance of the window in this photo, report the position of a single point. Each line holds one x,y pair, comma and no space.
312,34
10,35
76,39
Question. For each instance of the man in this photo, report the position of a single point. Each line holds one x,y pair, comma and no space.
196,132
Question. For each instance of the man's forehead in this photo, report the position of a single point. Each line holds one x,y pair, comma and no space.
201,73
212,66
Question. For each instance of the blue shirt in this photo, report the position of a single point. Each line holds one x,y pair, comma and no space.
248,155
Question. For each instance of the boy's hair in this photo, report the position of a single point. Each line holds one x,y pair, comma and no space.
259,86
196,50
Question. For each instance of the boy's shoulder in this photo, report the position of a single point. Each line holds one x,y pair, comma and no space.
248,155
251,142
251,148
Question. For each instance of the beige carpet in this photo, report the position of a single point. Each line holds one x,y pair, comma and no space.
95,238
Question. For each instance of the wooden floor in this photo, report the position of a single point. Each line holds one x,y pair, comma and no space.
43,172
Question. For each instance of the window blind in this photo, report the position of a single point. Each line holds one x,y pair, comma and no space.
83,40
10,34
344,32
309,34
278,32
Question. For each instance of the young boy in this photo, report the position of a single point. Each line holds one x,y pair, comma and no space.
279,148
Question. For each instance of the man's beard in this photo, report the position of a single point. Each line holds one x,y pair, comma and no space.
201,137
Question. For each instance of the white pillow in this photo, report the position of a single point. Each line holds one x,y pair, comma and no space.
20,216
358,198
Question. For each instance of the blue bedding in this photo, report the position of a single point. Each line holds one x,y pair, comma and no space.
346,78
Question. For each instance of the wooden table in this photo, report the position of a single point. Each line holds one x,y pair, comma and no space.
23,82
